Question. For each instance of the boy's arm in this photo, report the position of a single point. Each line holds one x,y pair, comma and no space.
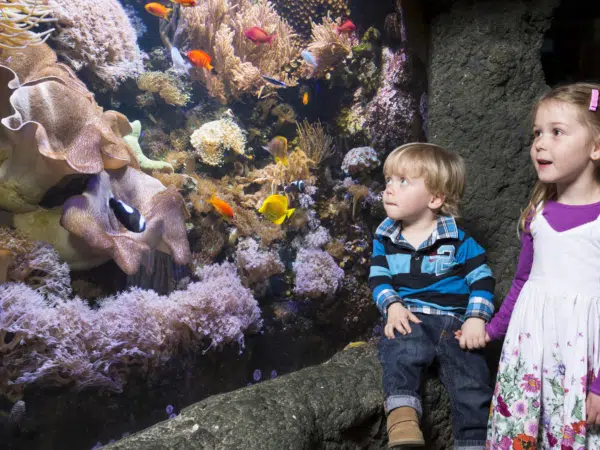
496,329
380,279
480,280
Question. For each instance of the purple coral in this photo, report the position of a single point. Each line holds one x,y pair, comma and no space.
317,274
257,265
71,343
257,375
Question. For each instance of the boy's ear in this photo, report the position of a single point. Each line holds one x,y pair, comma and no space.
437,201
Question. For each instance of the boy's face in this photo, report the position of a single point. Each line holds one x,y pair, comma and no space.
407,198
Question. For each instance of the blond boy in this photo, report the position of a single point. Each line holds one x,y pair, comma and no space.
430,279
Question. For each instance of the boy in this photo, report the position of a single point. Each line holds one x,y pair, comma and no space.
430,279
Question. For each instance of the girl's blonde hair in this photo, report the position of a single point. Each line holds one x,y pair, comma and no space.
578,95
443,171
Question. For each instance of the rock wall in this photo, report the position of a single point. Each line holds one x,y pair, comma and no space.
484,75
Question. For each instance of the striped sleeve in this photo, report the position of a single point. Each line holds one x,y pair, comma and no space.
380,279
479,278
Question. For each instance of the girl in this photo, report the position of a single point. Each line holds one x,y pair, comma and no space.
547,394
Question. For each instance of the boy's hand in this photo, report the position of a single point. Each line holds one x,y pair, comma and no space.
399,318
592,409
472,334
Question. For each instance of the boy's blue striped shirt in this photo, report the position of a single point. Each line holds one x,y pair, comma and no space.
447,274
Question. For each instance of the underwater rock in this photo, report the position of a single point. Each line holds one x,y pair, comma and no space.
360,159
335,405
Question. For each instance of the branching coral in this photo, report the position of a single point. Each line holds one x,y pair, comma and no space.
97,36
18,19
165,85
71,344
328,48
313,141
221,25
213,139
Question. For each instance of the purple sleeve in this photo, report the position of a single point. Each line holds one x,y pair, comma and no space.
595,387
497,327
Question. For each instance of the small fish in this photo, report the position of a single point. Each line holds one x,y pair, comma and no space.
259,36
346,27
158,10
130,217
221,206
185,2
309,58
275,208
295,186
305,98
278,149
355,344
200,59
274,81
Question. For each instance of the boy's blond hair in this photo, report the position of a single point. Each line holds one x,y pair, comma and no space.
443,171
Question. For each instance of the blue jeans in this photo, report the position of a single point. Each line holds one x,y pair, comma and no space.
465,375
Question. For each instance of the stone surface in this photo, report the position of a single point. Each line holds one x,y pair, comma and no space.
485,74
335,405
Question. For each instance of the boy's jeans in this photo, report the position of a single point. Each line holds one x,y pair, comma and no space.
464,374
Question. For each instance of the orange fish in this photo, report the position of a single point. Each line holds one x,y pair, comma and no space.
259,36
305,98
346,27
221,206
185,2
200,58
158,10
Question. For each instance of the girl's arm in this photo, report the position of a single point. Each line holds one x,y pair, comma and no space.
497,327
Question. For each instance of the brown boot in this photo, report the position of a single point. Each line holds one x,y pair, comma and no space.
403,428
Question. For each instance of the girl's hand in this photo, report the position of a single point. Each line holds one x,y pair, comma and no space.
592,409
458,335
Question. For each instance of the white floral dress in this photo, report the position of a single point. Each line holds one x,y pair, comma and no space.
551,350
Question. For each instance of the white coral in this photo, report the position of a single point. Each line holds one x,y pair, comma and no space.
212,139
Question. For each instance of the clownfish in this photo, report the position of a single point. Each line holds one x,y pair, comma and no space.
129,217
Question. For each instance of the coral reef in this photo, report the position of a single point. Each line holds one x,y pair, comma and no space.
360,159
257,265
165,85
393,115
317,274
98,37
71,344
19,18
314,142
328,48
301,13
213,139
221,25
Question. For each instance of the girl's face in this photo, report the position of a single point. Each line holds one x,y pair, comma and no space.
563,149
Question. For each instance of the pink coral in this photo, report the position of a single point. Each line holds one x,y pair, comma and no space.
71,344
255,264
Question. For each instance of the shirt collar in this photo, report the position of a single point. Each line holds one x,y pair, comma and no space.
446,229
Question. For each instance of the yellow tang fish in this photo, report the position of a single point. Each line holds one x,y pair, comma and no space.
275,208
278,149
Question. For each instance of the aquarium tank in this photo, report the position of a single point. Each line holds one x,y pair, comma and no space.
189,191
